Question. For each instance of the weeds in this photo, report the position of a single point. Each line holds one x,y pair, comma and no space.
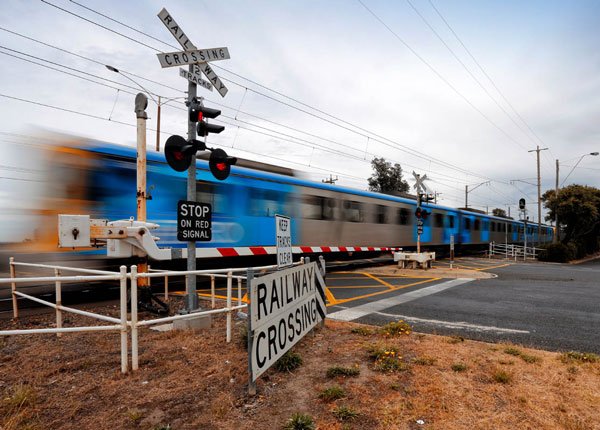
580,357
300,421
345,413
459,367
332,393
456,339
363,331
334,371
530,358
22,395
502,377
512,351
396,328
424,361
386,359
134,414
288,362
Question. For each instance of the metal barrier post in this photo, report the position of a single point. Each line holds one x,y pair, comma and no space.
123,303
212,291
229,282
134,319
58,289
13,287
166,288
239,292
251,383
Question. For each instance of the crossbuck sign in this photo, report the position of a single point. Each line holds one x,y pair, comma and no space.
284,306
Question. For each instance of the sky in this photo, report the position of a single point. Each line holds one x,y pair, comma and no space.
461,91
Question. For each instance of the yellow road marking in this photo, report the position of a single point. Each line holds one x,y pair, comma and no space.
330,297
381,281
387,291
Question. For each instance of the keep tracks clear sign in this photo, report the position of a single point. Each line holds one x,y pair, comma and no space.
284,306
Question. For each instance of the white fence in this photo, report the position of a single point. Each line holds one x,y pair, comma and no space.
124,323
511,251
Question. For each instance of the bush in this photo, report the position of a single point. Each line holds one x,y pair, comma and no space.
459,367
581,357
300,421
332,393
557,253
345,413
502,377
288,362
396,328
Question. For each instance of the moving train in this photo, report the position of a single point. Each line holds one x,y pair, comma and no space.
89,177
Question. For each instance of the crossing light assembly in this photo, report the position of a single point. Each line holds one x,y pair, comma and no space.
198,112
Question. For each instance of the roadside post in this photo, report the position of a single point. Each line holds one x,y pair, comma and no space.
451,251
141,103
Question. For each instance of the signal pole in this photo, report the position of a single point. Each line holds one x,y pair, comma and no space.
141,103
331,180
190,289
539,190
555,239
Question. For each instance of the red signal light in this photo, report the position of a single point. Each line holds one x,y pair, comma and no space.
221,166
178,155
200,116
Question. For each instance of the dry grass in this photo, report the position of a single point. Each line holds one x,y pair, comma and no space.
452,384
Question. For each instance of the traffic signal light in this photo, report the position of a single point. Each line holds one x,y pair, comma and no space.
220,164
198,112
180,153
424,214
419,212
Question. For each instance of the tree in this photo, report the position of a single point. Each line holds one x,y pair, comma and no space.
499,213
386,178
578,208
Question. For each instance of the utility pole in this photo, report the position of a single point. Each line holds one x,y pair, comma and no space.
557,232
141,103
331,180
539,190
473,189
158,126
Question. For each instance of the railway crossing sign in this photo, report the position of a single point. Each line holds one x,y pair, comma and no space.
284,306
194,221
420,183
195,76
192,56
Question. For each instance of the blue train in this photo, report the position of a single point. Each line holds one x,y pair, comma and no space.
88,177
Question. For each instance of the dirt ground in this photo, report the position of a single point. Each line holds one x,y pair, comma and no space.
192,380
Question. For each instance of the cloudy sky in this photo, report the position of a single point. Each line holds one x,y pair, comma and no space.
459,90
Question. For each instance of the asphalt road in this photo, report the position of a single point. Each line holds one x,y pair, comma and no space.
548,306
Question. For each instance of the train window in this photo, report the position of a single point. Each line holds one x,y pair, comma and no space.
353,211
451,221
467,224
438,220
265,202
476,225
318,207
205,193
403,216
381,214
510,228
493,226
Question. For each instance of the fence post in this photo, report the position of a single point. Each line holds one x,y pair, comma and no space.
239,292
134,328
13,287
123,303
58,290
166,288
229,282
251,383
212,291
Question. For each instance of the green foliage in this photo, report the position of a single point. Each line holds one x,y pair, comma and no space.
459,367
334,371
288,362
512,351
557,253
387,179
502,377
332,393
581,357
499,212
345,413
578,209
300,421
424,361
386,358
396,328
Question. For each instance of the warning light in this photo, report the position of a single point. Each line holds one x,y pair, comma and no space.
220,164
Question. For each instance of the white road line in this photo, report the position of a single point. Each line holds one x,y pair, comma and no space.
379,305
455,325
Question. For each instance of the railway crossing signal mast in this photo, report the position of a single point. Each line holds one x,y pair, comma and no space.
420,213
181,153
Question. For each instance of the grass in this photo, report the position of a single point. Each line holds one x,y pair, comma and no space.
288,362
579,357
300,421
363,331
502,377
386,358
396,328
134,414
518,353
424,361
21,395
332,393
334,371
459,367
345,413
512,351
456,339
